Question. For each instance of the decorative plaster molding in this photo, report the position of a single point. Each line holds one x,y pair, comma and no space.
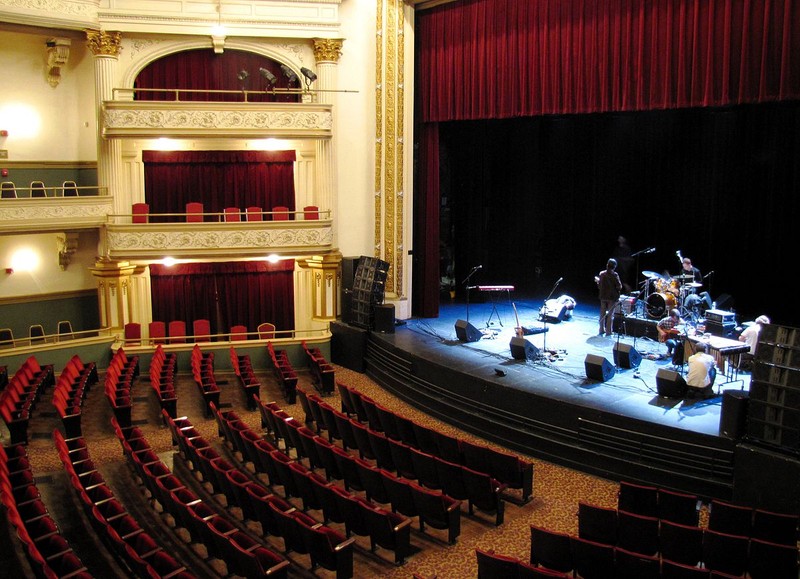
103,43
62,212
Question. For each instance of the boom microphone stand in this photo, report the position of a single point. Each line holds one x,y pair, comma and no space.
544,317
464,283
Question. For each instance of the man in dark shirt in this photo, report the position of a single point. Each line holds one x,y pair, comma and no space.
609,286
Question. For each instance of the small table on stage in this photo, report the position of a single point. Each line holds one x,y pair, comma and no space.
723,350
494,291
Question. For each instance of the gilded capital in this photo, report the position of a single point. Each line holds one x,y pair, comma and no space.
328,49
103,43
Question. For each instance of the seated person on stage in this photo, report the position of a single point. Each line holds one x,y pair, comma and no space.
668,331
702,372
695,302
750,336
689,273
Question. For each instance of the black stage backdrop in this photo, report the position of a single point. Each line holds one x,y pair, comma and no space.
538,198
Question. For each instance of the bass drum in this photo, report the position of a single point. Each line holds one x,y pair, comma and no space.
659,305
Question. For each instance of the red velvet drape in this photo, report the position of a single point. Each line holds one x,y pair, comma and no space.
484,59
227,294
218,179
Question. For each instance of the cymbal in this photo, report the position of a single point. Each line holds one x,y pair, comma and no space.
651,274
694,284
685,276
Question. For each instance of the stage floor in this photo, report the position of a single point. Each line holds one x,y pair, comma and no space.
561,373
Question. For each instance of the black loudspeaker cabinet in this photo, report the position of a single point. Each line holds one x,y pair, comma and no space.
522,349
626,356
347,306
349,267
733,419
635,327
767,478
348,346
670,384
466,332
384,318
598,368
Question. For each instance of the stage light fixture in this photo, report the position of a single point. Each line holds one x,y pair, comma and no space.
289,74
310,76
243,76
270,78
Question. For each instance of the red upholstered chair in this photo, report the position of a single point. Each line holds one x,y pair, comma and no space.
177,332
280,213
201,330
254,214
141,213
232,214
266,331
194,212
158,332
133,333
310,212
238,332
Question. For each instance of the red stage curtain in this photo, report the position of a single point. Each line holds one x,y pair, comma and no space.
218,179
227,294
203,69
489,59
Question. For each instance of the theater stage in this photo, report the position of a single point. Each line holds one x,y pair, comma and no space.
547,407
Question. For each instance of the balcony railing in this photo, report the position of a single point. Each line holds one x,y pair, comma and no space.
55,211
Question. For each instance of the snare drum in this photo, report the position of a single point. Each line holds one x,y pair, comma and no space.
659,305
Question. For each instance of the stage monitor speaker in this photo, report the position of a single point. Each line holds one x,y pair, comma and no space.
384,318
733,419
626,356
522,349
598,368
466,332
670,384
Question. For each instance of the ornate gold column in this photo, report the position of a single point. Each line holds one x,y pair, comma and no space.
327,52
390,139
325,286
105,47
114,291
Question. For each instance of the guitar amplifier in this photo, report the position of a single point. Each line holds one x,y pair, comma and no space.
723,329
720,317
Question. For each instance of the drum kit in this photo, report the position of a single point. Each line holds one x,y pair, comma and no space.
662,293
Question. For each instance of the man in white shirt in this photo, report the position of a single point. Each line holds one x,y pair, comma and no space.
702,372
750,336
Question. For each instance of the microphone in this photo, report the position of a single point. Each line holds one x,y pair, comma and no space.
560,280
678,253
478,267
651,250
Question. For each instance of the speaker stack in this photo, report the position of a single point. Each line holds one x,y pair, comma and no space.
368,292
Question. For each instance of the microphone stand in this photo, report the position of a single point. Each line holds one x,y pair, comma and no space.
544,317
464,283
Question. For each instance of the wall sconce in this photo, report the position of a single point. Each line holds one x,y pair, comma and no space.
268,77
57,56
66,245
310,76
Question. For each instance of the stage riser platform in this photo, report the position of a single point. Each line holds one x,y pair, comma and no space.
582,438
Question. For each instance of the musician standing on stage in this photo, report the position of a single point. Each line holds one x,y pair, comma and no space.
668,330
609,286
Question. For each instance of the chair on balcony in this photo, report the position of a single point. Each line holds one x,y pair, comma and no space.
141,213
8,190
201,329
69,189
6,338
266,331
254,214
37,190
280,213
232,214
310,212
133,333
65,330
194,212
36,334
158,332
177,332
238,332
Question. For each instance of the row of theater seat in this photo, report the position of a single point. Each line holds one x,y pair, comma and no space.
118,381
682,552
175,332
284,373
195,213
360,516
322,373
8,190
456,481
432,507
163,367
246,376
18,399
505,468
131,544
48,552
71,388
202,364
